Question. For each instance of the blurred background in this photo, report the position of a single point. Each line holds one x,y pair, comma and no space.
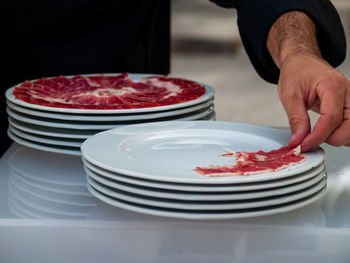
206,47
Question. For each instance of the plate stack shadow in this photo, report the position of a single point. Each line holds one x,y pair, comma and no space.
63,130
150,168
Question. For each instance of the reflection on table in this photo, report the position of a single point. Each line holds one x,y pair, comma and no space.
45,200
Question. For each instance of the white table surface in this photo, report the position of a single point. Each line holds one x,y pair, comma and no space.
47,215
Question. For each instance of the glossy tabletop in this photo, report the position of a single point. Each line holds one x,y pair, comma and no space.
48,215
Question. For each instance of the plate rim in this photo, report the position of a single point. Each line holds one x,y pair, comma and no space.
110,117
200,188
15,115
33,145
225,196
200,179
41,130
154,212
36,138
250,204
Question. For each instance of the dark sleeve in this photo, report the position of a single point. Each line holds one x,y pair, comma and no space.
255,18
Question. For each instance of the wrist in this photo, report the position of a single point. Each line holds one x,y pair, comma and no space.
297,53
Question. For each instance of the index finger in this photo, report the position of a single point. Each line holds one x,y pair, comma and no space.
331,110
294,104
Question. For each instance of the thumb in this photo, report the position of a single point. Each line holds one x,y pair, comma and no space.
299,120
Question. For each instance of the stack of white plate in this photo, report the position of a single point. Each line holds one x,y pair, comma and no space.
63,130
149,168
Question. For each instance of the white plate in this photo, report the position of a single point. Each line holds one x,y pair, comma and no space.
46,140
209,93
211,205
119,178
210,117
44,147
208,215
174,196
91,126
119,117
53,132
170,151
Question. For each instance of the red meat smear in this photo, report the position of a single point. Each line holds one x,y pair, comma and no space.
107,92
249,163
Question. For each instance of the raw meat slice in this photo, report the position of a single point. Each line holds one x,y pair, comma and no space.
108,92
249,163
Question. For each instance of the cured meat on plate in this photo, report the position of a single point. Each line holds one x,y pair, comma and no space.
108,92
249,163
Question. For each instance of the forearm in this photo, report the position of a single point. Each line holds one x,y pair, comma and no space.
293,32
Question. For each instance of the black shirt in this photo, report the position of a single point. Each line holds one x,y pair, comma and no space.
66,37
255,18
49,38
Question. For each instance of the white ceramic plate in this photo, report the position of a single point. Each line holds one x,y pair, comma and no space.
170,151
61,132
47,140
207,214
119,117
210,117
92,126
211,205
49,131
209,93
119,178
44,147
169,195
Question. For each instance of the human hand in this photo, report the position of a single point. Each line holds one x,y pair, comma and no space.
308,82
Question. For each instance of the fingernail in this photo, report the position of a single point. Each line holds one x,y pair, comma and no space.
293,140
305,148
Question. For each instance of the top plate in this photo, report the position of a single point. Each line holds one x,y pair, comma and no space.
170,152
209,93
